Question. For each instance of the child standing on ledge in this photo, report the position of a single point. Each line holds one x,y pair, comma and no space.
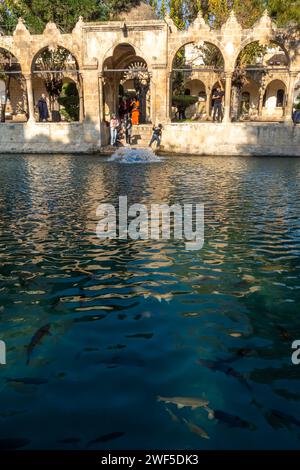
156,136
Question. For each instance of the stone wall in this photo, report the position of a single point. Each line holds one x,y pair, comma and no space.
278,139
200,139
32,137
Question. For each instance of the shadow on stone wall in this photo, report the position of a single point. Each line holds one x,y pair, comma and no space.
51,137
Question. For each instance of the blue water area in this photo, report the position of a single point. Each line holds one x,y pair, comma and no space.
134,320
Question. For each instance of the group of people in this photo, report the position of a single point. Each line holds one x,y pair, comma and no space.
130,107
122,128
129,115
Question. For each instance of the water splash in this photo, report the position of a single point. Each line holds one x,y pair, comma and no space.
135,155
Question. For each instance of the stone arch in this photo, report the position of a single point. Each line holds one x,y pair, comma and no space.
11,50
296,92
270,100
125,65
192,40
13,103
252,40
49,74
206,64
44,47
249,109
196,86
110,52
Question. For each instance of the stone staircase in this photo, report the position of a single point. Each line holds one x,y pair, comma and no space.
141,135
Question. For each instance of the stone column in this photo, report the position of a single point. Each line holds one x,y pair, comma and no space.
91,95
28,78
208,102
81,100
228,81
290,97
91,123
260,103
160,94
101,100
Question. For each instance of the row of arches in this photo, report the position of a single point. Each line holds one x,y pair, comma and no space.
259,84
273,105
54,74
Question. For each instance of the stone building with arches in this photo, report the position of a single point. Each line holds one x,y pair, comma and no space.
109,58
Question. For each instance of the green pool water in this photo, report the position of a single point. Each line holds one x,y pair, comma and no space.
134,320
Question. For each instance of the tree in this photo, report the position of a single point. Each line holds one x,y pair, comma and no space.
284,11
176,8
64,13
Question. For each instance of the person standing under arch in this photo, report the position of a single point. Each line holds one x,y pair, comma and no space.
135,114
218,105
43,108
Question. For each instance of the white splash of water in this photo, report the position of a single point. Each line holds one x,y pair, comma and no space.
134,155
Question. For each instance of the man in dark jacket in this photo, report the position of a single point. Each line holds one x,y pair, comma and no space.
43,108
218,96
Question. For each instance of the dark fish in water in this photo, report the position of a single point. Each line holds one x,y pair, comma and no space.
28,380
283,332
90,318
242,352
106,438
287,394
232,420
36,339
128,359
141,335
11,444
284,418
221,366
117,346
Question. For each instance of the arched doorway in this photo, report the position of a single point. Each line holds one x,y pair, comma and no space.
257,65
274,99
249,100
296,100
195,70
53,68
13,100
127,85
197,89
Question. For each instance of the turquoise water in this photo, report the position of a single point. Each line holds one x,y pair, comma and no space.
130,320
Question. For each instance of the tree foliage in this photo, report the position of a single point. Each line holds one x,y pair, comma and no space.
65,13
